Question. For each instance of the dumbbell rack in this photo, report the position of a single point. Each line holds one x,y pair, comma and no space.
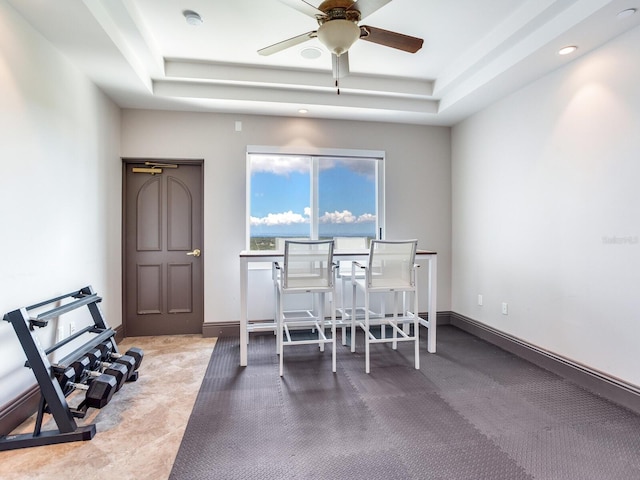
52,398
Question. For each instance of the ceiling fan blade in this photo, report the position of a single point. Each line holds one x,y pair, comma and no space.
291,42
390,39
367,7
340,65
303,7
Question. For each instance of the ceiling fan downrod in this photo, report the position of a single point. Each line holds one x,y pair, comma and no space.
337,77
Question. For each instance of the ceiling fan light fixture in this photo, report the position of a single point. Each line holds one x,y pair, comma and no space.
338,35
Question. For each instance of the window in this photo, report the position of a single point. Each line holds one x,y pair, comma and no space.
326,194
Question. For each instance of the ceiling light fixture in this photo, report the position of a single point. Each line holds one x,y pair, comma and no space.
192,18
626,13
338,35
567,50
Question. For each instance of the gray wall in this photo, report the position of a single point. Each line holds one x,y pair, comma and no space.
546,211
418,182
59,189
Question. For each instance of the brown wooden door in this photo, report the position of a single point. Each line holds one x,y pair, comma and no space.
163,278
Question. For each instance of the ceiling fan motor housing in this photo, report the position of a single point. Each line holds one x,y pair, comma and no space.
338,35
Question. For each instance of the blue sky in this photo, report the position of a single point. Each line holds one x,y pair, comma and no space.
280,196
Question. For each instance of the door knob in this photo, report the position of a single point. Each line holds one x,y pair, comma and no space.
195,253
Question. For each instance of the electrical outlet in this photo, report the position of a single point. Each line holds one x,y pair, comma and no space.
60,333
72,328
479,300
505,309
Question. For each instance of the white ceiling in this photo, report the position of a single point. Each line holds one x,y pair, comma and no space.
143,54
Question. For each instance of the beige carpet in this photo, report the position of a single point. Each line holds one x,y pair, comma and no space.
138,432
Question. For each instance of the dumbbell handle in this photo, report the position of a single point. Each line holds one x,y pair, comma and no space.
79,386
108,364
109,354
95,373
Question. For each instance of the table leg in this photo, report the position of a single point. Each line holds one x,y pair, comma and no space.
244,285
433,292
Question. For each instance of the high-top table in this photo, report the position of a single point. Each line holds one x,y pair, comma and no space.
248,256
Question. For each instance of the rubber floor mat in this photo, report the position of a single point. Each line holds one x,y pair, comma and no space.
473,411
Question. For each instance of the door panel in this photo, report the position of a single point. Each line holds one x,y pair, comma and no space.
149,289
163,226
180,288
148,215
179,216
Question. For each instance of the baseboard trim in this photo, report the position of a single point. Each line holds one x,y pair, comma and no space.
599,383
221,329
119,336
17,410
442,318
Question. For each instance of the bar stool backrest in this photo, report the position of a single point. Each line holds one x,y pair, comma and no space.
391,264
308,264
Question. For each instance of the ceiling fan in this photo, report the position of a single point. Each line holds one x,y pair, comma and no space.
338,29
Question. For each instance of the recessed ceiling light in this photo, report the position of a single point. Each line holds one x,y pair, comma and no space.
310,53
303,111
567,50
626,13
192,18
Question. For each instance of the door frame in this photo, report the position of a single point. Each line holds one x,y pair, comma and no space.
126,161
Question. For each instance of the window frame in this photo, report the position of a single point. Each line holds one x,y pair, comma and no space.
315,154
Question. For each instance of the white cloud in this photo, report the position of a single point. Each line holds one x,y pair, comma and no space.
338,217
279,165
285,218
367,217
346,217
290,218
285,165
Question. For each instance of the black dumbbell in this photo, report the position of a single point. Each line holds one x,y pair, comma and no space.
99,390
87,367
108,354
96,358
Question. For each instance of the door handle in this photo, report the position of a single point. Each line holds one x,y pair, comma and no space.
195,253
